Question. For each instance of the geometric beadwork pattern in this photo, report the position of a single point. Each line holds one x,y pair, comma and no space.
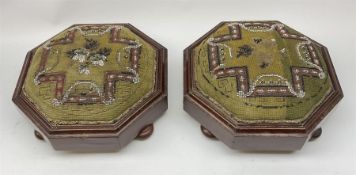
261,72
95,74
111,77
294,88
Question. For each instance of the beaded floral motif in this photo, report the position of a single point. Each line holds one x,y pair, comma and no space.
89,55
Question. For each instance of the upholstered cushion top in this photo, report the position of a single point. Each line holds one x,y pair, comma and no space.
261,72
90,74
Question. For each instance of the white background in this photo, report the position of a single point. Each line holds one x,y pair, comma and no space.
177,145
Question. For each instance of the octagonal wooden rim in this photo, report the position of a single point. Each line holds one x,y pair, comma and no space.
210,109
154,101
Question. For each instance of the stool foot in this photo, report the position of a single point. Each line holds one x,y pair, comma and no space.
316,134
206,132
145,132
38,135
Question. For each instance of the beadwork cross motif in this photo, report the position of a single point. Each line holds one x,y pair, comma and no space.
90,54
246,88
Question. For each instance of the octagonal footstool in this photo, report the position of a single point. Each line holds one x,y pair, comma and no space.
259,85
94,87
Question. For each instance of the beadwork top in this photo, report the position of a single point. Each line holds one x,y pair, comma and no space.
260,72
91,74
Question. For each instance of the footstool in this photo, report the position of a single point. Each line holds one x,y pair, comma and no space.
259,85
94,87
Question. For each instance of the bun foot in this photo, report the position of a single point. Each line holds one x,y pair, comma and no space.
145,132
38,135
206,132
316,134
